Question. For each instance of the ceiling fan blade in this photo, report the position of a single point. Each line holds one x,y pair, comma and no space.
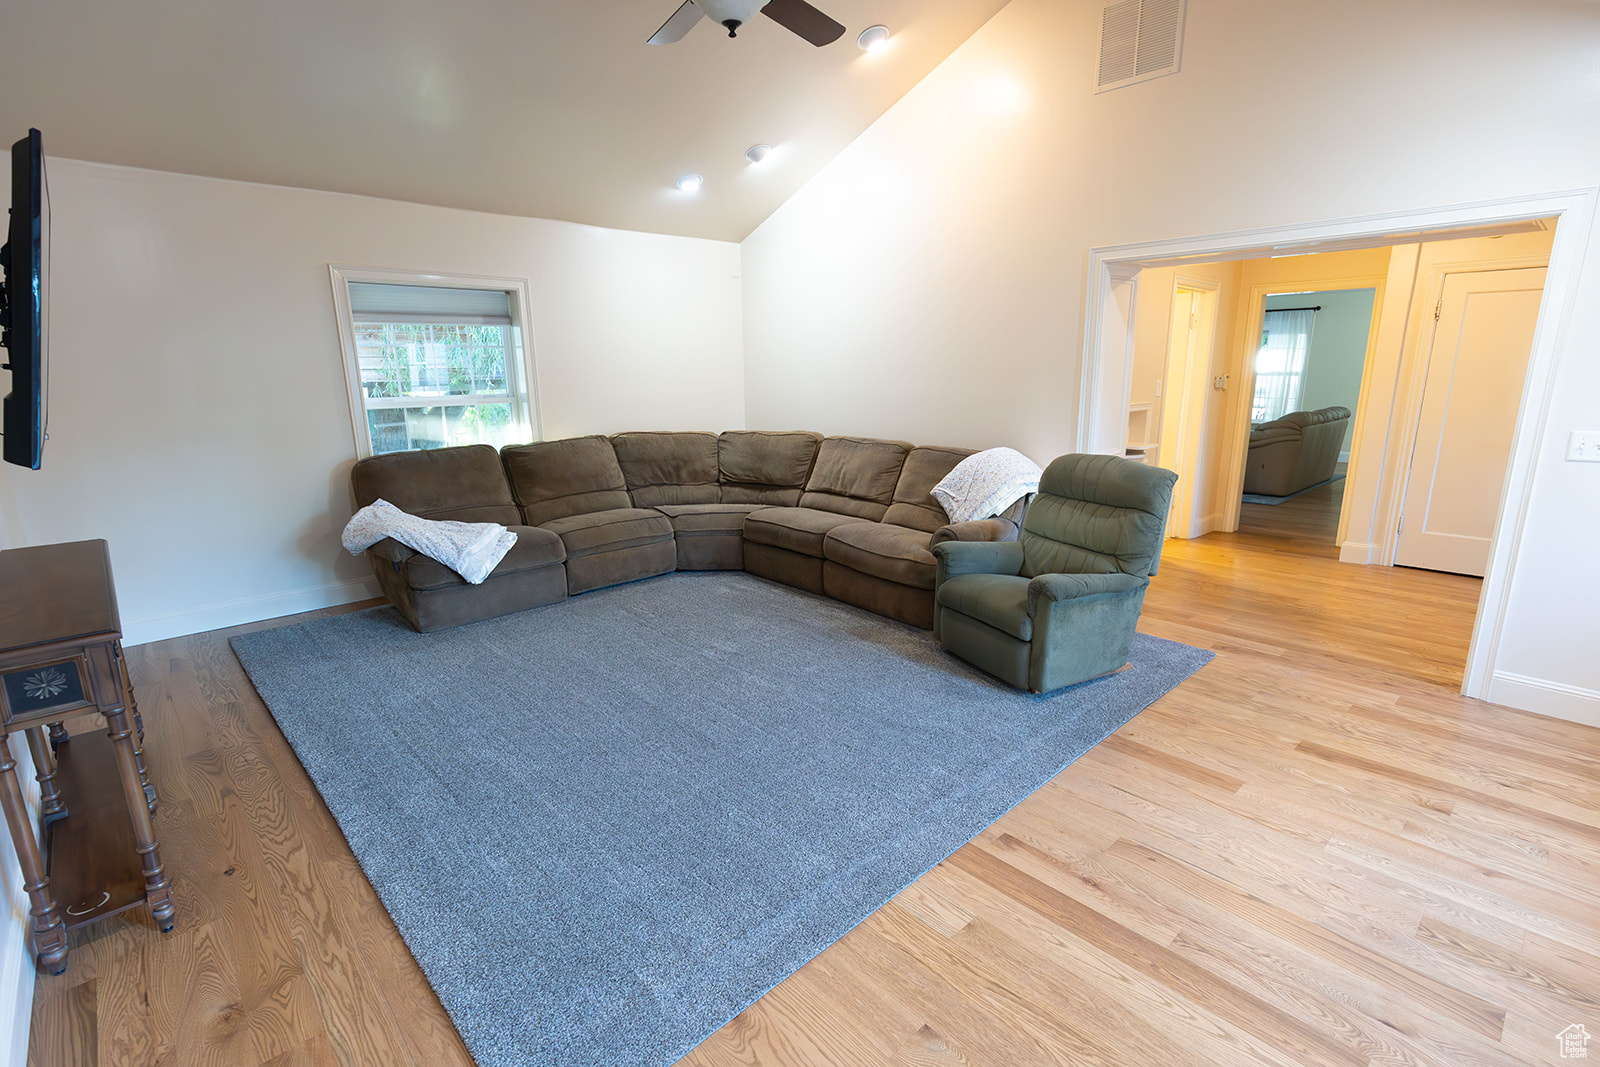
680,23
801,18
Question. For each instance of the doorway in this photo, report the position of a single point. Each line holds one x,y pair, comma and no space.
1312,349
1113,299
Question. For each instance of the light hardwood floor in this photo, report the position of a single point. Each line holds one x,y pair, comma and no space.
1313,852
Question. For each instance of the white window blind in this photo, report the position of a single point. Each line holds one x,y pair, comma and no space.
433,303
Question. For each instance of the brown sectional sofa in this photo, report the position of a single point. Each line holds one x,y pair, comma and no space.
1295,452
849,517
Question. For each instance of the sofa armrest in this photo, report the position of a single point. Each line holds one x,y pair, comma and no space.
1273,434
977,557
1058,588
391,551
995,529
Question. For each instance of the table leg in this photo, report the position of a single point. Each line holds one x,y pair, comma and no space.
58,735
51,806
49,933
138,735
157,888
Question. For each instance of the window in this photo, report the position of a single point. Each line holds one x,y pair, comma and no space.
1281,362
433,362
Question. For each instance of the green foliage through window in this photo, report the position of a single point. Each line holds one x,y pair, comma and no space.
432,363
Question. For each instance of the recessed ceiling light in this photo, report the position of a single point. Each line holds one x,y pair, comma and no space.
757,152
690,183
873,39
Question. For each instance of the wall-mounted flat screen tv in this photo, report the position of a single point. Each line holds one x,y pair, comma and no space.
23,308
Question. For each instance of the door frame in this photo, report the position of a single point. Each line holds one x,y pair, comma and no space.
1236,428
1107,353
1188,423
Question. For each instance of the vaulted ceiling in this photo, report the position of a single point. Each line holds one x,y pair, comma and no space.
527,107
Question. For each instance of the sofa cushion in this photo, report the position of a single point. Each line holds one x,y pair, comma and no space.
797,529
855,476
914,503
760,467
999,600
535,548
707,518
897,553
668,468
610,530
465,484
554,479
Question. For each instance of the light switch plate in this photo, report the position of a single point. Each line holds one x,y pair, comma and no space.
1584,446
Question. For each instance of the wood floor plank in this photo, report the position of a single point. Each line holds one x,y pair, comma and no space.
1314,851
1195,983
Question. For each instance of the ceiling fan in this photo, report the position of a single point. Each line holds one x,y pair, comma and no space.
797,16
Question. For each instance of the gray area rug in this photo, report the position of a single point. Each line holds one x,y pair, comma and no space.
1274,501
606,827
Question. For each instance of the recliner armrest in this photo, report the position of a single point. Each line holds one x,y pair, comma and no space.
977,557
1055,588
995,529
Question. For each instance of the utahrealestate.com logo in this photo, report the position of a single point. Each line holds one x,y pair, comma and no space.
1574,1042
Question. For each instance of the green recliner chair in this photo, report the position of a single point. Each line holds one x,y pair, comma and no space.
1058,606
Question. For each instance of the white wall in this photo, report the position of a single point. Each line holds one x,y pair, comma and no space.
930,281
198,413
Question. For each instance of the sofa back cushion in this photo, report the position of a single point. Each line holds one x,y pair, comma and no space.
554,479
668,468
914,504
758,467
466,484
855,476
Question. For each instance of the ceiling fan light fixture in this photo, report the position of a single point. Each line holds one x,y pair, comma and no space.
757,152
690,183
873,39
731,13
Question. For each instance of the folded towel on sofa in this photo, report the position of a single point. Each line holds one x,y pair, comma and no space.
471,549
987,483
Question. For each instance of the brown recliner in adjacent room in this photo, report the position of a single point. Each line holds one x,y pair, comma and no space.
1295,452
464,484
575,490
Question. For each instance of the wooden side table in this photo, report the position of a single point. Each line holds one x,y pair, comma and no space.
60,657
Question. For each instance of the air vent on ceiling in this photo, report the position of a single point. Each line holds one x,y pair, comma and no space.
1139,40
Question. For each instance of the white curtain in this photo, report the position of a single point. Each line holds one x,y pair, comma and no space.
1281,363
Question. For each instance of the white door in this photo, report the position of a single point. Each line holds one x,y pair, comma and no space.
1476,366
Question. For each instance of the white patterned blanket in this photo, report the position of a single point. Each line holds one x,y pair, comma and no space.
987,483
471,549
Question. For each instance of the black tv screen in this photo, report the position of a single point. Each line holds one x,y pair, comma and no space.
22,303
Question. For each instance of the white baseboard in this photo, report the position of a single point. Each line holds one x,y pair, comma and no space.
1555,699
16,962
1356,552
247,609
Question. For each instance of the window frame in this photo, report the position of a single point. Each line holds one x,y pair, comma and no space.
521,373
